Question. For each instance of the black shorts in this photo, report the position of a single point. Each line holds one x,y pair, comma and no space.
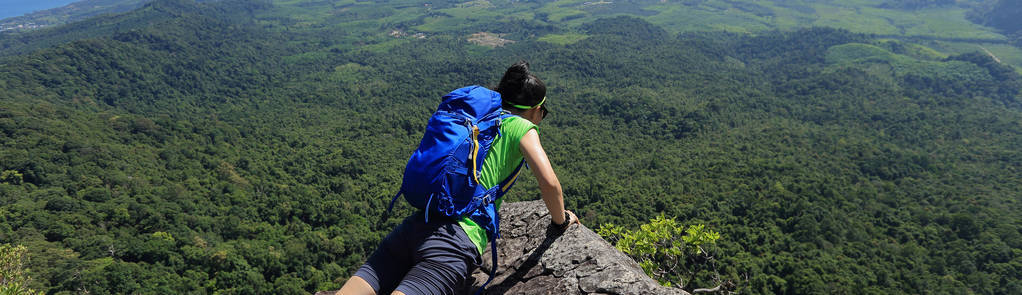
421,258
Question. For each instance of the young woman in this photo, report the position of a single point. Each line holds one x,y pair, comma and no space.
436,257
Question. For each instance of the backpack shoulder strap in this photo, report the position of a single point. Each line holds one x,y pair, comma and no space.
510,181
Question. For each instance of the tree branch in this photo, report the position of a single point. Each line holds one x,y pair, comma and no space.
710,290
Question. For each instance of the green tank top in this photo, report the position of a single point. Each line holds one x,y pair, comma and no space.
500,162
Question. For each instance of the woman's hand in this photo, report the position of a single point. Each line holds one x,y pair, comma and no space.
569,218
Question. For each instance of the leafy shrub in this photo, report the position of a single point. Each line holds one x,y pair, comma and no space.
664,253
13,277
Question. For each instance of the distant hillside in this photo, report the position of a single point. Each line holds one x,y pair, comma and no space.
939,24
151,14
70,13
1001,14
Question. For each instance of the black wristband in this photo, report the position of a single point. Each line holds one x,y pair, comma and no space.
567,221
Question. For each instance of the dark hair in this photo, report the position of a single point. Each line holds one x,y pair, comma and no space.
520,87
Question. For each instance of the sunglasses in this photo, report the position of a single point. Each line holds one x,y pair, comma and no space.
545,110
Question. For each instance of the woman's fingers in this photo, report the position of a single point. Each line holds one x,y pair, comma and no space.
572,218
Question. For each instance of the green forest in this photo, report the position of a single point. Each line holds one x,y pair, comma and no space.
239,147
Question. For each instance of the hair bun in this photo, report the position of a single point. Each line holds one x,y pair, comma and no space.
520,67
520,87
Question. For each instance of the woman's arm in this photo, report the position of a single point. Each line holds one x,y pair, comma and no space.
548,184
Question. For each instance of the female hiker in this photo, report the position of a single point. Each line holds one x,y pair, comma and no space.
429,253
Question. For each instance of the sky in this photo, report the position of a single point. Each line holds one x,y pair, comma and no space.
12,8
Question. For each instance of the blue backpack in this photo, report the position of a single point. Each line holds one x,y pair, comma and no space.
442,175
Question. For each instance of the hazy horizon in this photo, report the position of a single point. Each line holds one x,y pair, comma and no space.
13,8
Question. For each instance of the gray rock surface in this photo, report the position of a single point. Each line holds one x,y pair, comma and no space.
537,258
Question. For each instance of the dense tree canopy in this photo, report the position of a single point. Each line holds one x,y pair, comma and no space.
199,152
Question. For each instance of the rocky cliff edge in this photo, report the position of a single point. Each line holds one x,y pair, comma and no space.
537,258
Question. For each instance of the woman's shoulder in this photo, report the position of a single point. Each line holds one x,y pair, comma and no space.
517,125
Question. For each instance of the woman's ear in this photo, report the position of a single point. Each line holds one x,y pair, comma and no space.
534,115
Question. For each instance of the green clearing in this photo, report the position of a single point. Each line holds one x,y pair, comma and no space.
1005,53
563,39
853,20
472,12
924,52
677,18
350,73
888,66
561,14
944,23
914,50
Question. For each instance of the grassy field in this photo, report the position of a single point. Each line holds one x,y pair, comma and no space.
1005,53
